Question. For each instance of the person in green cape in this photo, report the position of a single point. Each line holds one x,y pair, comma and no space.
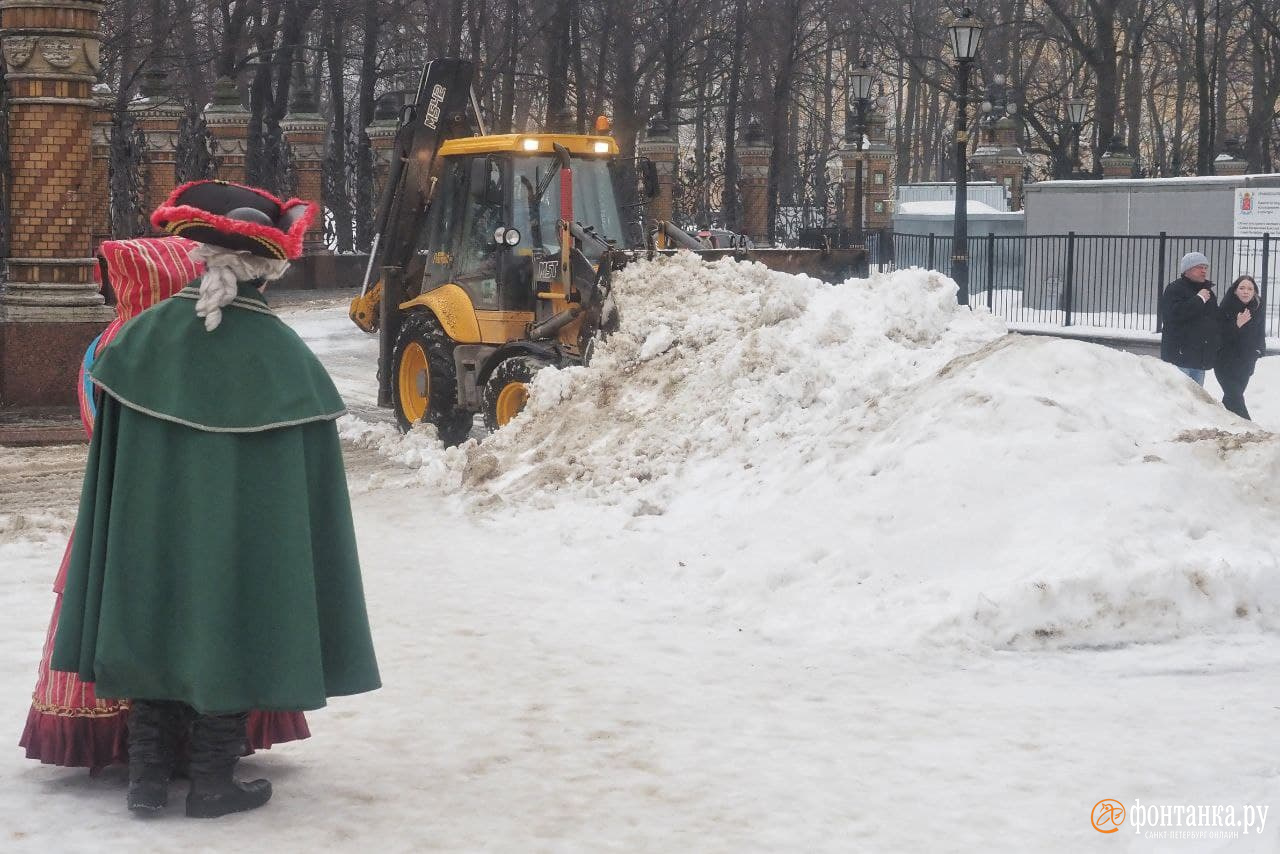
210,404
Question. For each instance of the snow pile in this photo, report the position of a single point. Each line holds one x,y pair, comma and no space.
1044,492
419,449
868,463
730,364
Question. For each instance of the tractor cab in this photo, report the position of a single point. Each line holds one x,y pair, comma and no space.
490,232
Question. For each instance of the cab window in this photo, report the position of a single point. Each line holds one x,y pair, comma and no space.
477,253
594,203
444,223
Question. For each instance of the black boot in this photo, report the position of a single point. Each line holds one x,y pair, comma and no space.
217,741
154,728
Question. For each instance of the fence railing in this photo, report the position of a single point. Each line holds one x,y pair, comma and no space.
1094,280
790,220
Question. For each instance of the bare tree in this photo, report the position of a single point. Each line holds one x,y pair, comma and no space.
1177,80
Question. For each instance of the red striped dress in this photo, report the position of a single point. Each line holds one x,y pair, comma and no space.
68,724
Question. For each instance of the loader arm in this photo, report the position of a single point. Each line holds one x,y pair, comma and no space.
830,264
438,113
668,235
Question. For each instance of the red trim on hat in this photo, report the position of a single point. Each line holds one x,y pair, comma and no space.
290,242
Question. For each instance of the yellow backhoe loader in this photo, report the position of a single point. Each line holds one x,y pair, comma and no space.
493,258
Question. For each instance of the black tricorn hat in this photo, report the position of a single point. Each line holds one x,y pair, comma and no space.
236,217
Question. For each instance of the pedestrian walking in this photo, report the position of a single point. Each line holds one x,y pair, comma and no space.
1243,341
1190,316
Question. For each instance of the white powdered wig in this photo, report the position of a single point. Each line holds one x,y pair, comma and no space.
224,270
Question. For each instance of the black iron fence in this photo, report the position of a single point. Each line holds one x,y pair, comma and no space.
1090,280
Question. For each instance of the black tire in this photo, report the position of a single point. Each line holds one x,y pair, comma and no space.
509,379
422,337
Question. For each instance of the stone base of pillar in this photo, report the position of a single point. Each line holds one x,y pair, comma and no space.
33,305
39,361
33,426
61,290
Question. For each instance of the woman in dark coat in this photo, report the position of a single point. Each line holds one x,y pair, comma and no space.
1243,341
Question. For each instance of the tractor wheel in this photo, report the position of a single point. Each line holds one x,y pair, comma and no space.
507,389
424,385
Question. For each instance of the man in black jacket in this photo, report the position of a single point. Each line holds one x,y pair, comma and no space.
1190,313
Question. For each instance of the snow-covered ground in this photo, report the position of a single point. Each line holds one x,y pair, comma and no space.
789,568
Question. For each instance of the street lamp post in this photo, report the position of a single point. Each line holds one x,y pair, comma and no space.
860,82
1075,117
965,32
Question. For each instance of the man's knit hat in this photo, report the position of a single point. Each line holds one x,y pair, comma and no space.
1192,259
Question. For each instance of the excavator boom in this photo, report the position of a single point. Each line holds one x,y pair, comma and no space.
438,113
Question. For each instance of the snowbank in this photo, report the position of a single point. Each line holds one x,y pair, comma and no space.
873,465
727,364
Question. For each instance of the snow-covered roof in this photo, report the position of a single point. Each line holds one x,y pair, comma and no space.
944,206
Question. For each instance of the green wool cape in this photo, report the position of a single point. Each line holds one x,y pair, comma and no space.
214,560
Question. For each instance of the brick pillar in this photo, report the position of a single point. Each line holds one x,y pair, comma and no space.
228,124
305,130
659,145
877,183
1117,162
103,103
1000,158
382,138
157,116
50,307
753,183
